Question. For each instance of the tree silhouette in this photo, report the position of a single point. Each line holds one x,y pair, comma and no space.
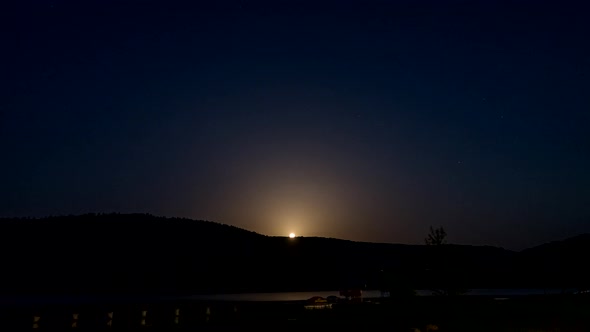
440,262
436,237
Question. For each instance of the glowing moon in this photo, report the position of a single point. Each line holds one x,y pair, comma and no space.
291,235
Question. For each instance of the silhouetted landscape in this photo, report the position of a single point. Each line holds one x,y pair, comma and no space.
144,254
399,165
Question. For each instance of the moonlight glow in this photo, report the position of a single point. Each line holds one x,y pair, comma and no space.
291,235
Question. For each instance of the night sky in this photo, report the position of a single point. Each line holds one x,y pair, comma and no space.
362,120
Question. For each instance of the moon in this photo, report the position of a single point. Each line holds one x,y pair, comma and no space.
291,235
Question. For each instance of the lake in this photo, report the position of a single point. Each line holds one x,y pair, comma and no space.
262,297
301,296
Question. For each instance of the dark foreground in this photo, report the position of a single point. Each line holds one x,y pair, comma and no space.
530,313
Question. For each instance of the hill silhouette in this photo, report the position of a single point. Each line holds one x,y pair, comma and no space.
559,262
145,254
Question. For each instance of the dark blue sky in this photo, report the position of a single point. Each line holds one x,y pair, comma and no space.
363,120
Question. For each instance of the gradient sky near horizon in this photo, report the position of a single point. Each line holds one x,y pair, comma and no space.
362,120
